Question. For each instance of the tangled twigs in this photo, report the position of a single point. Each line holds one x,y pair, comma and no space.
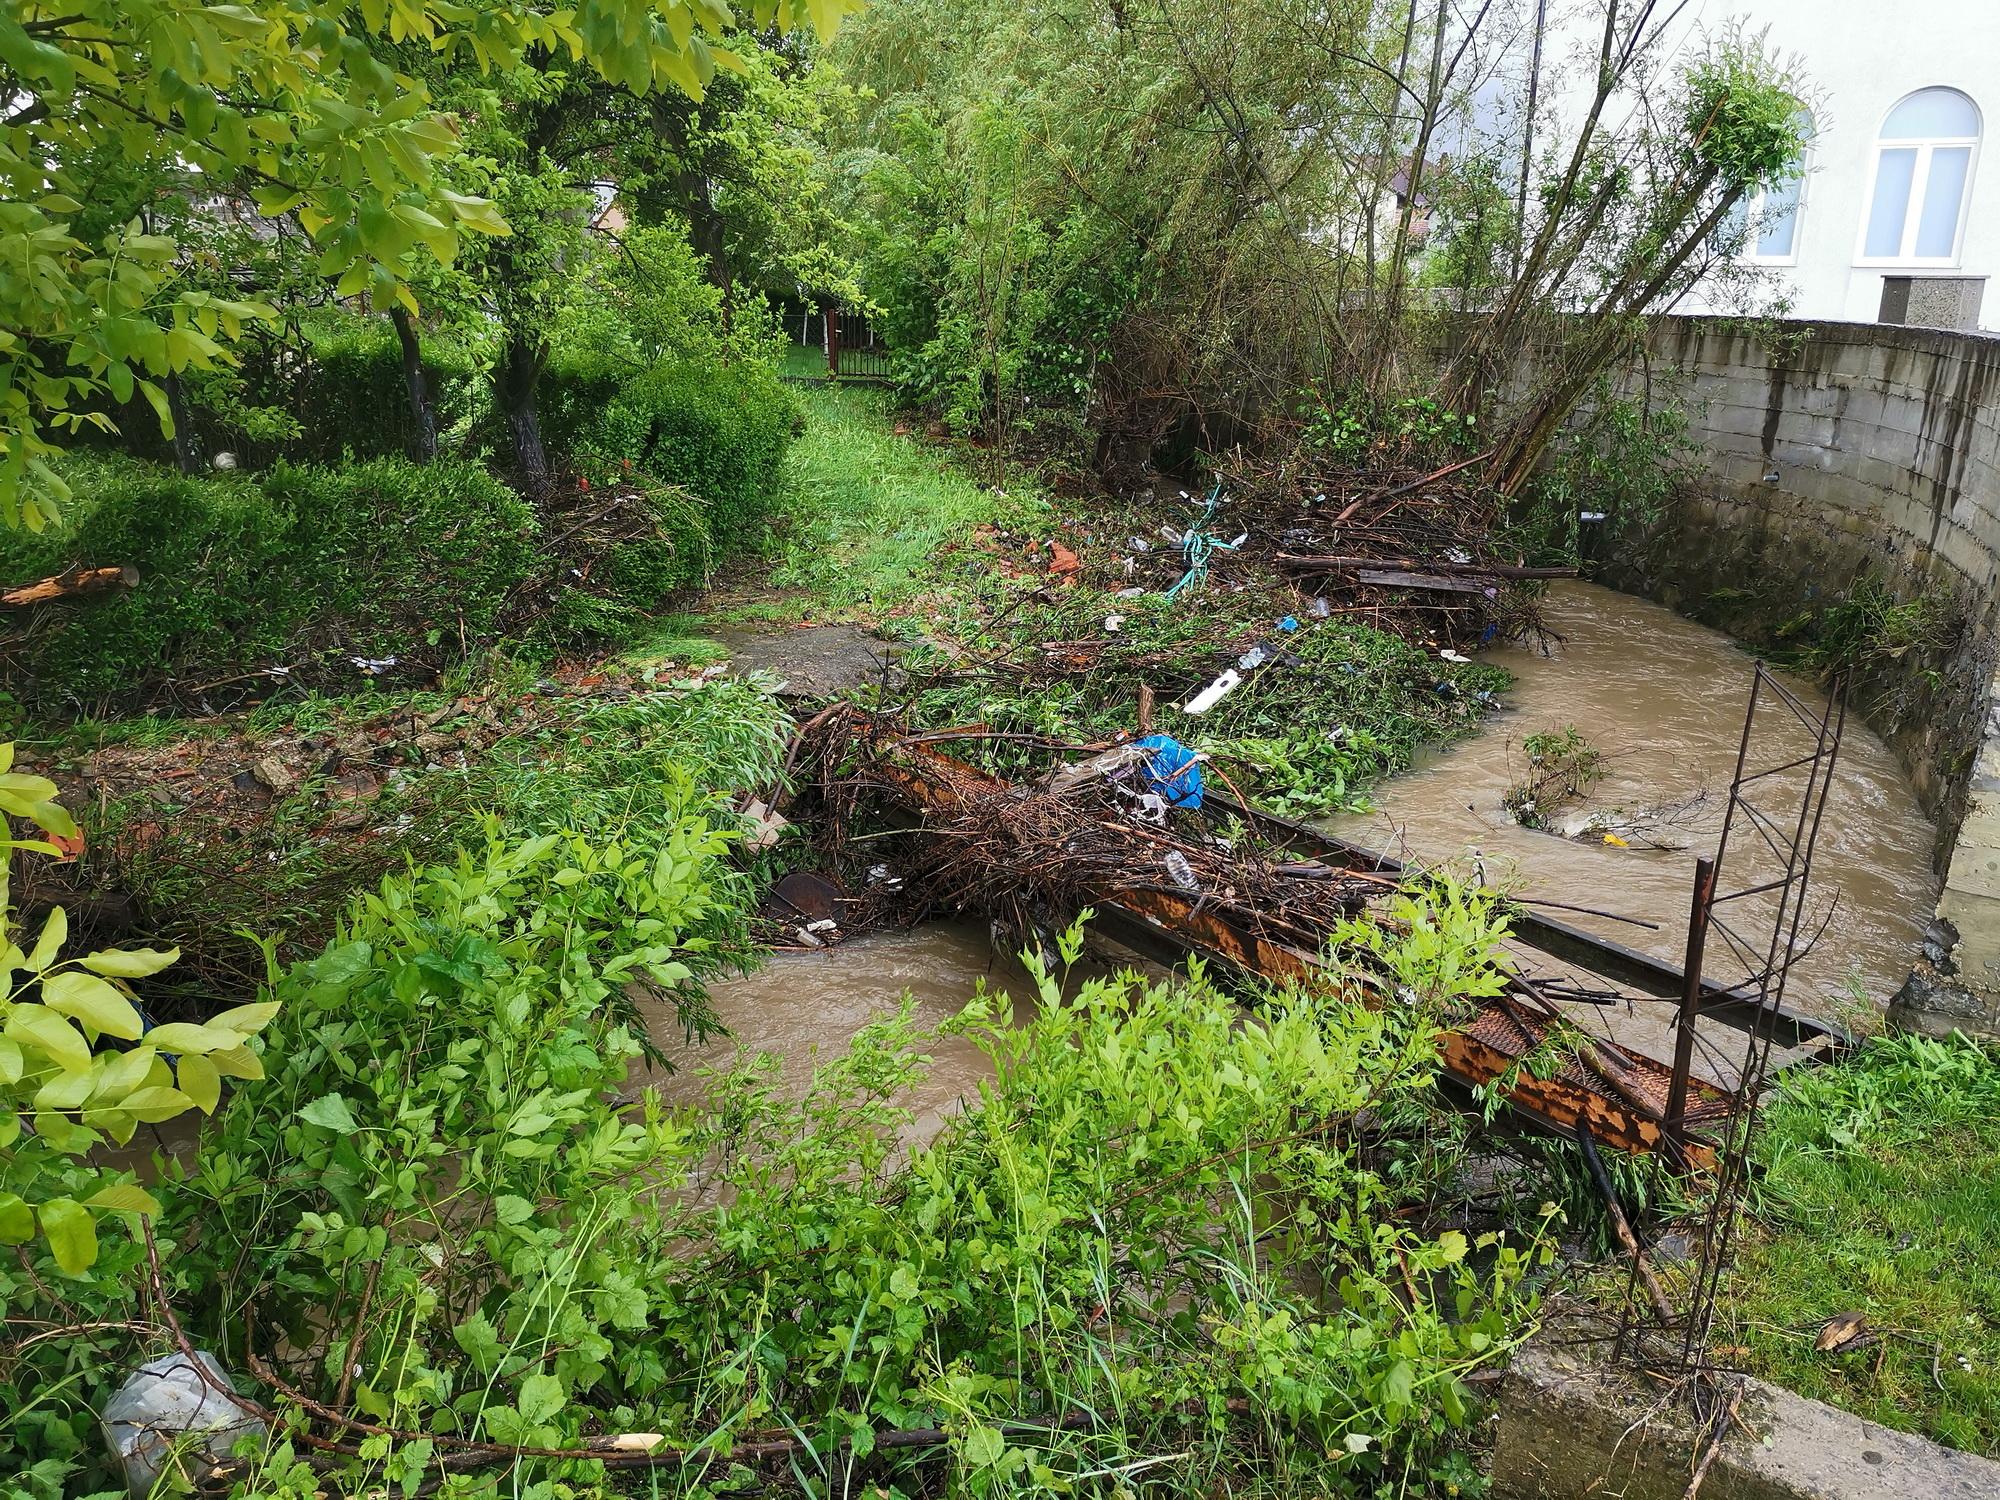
1033,855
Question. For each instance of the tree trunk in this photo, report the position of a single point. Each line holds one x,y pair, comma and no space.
706,230
423,431
515,381
187,446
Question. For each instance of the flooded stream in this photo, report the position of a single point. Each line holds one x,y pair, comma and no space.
1663,699
806,1007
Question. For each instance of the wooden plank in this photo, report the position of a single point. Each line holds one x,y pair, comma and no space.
1395,578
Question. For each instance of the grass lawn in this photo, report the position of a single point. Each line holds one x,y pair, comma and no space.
1881,1195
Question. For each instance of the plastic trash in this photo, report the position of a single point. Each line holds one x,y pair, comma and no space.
1132,593
1213,694
1113,623
1321,608
1290,622
1455,658
1172,770
1180,872
168,1412
1252,659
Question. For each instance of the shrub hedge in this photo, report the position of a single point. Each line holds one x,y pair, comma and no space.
299,567
720,431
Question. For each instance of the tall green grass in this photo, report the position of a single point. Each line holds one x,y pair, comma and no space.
873,516
1880,1194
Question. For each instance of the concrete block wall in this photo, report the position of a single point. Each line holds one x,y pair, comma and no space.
1831,451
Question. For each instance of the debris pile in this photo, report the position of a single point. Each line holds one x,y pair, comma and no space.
1110,828
1415,544
1031,856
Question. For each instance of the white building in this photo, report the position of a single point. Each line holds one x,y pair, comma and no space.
1904,94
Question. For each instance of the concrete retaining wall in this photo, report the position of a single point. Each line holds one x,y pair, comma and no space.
1833,451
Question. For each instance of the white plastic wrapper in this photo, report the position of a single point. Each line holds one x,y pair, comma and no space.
167,1413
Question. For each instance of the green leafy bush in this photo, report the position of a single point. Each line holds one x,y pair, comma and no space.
297,568
481,1233
718,431
325,392
348,397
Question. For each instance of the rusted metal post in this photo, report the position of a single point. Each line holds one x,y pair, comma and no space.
832,313
1677,1088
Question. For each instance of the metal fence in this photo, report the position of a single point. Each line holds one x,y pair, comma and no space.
847,341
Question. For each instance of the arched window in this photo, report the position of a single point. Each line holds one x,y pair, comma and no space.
1922,180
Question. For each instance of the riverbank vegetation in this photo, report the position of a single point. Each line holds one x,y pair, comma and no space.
1870,1274
392,397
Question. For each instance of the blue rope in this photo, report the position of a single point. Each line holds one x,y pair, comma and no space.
1198,544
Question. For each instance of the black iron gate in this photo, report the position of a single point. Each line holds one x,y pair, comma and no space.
853,349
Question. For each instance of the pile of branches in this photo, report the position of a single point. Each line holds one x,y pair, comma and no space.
1393,536
1031,856
587,532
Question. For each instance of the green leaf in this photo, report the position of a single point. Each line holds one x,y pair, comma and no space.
246,1020
1399,1385
156,1104
17,1220
43,1029
200,1081
984,1447
510,1209
129,963
55,932
123,1198
330,1112
72,1234
480,1341
237,1062
541,1398
93,1002
186,1036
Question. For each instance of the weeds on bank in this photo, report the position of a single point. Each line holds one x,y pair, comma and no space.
1870,630
216,862
1156,1244
1880,1194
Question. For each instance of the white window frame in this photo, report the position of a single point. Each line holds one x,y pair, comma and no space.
1753,216
1920,177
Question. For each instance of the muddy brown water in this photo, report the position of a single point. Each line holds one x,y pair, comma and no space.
804,1009
1663,699
1661,696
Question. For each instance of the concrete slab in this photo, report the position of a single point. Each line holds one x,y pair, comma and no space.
813,661
1570,1428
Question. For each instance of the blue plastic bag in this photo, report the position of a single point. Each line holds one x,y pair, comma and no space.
1172,770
